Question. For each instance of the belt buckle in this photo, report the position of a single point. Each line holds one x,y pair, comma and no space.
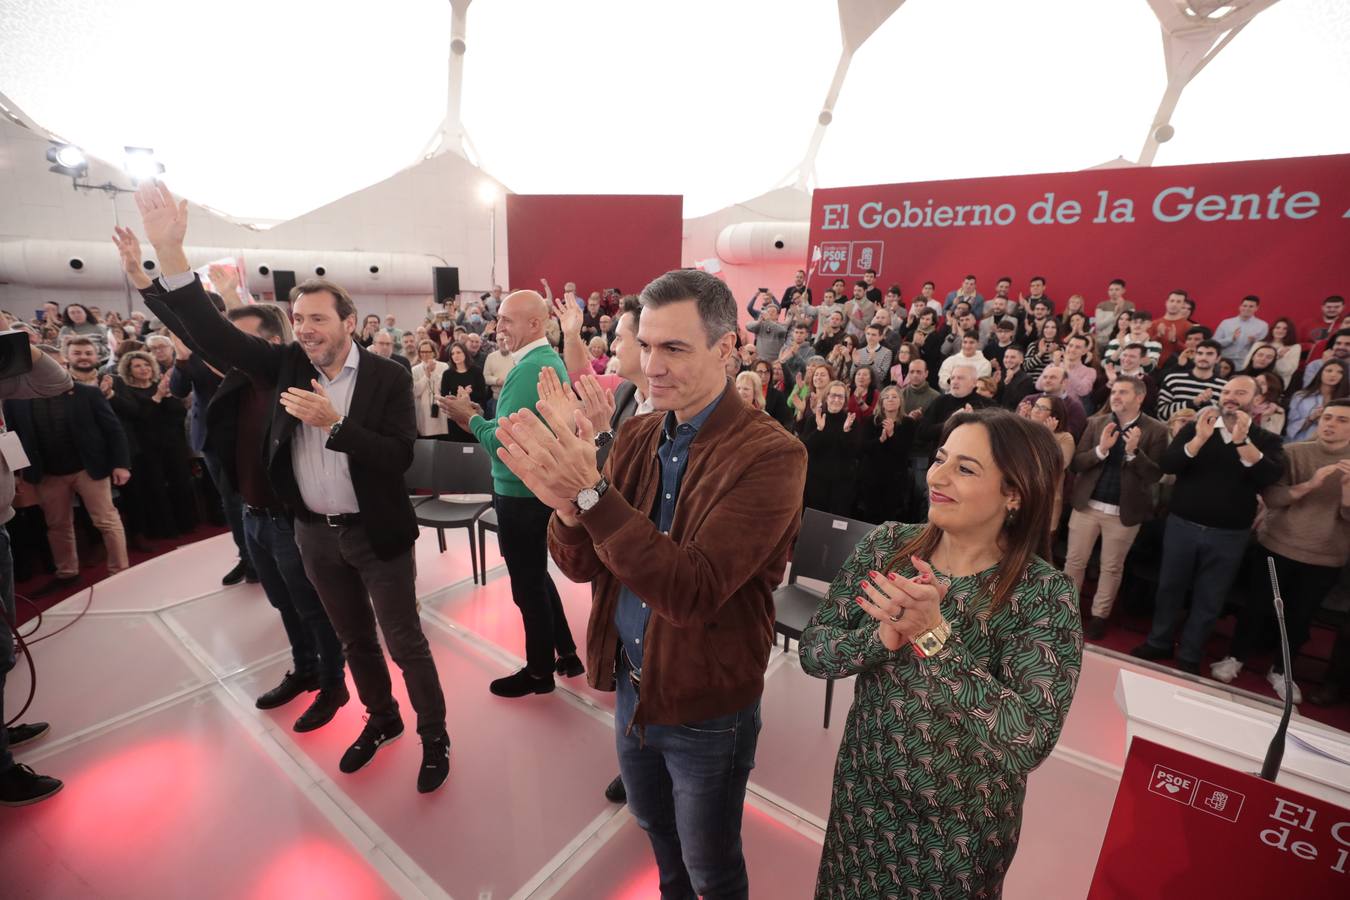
333,521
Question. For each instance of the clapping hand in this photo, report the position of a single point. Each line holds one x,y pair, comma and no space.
161,389
903,607
1241,426
887,429
1110,434
1205,423
1132,436
105,384
311,407
848,421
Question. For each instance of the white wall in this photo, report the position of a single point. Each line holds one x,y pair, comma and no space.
430,209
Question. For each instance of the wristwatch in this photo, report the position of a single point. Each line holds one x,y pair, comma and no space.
933,640
590,496
335,427
603,439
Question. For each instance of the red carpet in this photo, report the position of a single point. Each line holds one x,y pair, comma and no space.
94,569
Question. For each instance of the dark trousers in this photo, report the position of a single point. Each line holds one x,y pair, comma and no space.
522,524
230,501
686,788
315,647
1205,561
358,589
7,658
1303,587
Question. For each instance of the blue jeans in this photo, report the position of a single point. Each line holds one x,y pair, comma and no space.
7,657
314,645
230,501
686,788
1204,561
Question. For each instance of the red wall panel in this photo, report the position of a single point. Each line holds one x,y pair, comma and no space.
598,241
1286,239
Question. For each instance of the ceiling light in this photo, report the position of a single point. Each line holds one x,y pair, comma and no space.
141,165
67,159
487,192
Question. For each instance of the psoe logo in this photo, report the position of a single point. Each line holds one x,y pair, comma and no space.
1218,801
1172,784
865,255
834,257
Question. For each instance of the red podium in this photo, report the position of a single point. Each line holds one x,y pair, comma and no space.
1183,827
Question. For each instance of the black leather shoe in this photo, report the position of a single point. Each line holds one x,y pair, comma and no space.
292,686
240,571
521,684
20,786
435,764
569,666
1150,652
1328,694
1096,628
322,710
615,792
56,585
372,738
22,734
1188,666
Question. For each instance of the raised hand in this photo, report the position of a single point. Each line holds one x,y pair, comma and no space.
225,279
180,349
129,249
1241,427
848,421
569,315
164,218
105,384
596,402
553,394
161,389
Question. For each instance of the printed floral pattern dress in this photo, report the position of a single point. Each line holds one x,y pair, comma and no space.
932,768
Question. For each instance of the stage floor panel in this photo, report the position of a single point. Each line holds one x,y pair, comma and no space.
178,786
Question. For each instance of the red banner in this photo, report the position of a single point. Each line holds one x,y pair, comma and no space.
1183,827
1275,228
597,241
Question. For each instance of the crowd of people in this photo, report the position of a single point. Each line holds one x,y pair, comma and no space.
998,422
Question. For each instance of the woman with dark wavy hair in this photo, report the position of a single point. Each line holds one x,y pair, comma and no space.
967,646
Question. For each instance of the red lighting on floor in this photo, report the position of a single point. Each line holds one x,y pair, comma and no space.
316,868
642,886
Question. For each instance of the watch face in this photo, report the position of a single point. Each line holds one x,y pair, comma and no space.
588,498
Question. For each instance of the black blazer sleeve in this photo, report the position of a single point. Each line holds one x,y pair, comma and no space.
218,340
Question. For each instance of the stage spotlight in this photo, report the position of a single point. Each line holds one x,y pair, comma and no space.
487,192
67,159
141,165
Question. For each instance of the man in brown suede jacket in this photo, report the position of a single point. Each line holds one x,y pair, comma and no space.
685,537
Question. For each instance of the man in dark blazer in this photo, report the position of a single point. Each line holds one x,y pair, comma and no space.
75,445
338,442
1118,464
233,427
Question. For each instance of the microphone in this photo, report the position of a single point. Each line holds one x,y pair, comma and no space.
1275,752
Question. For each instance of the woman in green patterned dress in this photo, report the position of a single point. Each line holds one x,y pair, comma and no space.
967,647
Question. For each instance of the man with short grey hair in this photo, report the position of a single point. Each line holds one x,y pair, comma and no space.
683,557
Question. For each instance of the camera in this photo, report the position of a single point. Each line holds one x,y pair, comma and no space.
16,355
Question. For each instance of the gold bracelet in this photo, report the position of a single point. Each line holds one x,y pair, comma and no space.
933,640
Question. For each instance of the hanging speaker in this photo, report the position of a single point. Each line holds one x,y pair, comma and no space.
283,280
446,283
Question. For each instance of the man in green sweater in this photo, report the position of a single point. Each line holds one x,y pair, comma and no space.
522,520
1307,533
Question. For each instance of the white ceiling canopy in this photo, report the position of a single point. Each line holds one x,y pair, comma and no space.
267,109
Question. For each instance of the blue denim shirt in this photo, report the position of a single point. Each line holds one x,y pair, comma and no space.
632,614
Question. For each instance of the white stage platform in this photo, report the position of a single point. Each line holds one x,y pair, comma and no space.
176,786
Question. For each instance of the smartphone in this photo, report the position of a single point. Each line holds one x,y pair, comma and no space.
40,315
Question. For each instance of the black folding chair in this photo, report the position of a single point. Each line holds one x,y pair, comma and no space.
419,476
486,522
824,544
457,469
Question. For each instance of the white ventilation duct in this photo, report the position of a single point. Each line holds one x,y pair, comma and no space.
746,243
95,265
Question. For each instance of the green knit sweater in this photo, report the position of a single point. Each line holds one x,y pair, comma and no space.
519,391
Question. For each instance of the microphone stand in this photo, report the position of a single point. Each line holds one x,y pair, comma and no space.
1275,752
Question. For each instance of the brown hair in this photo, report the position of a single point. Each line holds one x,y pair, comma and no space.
124,365
1031,464
342,301
271,320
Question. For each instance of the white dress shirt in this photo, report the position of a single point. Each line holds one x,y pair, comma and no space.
323,475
